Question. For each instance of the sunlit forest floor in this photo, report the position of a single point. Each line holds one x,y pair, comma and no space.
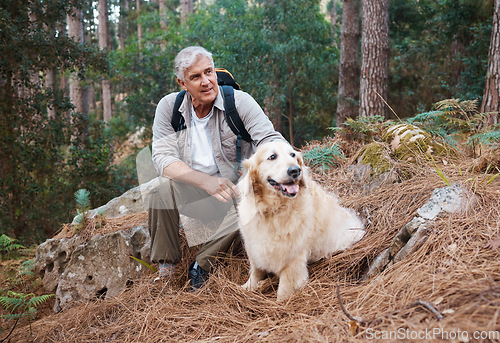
453,272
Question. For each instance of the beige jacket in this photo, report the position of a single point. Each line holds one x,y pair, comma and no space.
169,146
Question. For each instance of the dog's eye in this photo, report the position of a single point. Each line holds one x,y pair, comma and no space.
292,154
272,157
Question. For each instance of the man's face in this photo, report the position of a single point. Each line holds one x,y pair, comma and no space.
201,82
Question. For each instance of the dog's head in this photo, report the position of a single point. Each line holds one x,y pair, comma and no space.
275,168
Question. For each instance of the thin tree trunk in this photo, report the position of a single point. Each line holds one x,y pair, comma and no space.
163,21
374,80
122,25
333,18
50,83
491,97
104,45
76,91
139,26
187,8
349,66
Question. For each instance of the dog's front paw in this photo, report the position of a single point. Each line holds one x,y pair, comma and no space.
248,286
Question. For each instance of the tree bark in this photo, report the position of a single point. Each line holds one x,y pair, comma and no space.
104,45
349,66
139,26
187,8
122,25
163,21
491,97
374,80
77,92
50,83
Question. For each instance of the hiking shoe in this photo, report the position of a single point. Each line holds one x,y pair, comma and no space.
197,276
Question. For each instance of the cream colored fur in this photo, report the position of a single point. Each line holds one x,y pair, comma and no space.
282,233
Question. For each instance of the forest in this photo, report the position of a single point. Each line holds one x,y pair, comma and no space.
77,77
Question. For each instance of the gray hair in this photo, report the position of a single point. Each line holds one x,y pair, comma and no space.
187,57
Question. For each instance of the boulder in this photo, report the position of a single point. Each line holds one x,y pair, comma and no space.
102,267
407,142
79,269
374,167
52,256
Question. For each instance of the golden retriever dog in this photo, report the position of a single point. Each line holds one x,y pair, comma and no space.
287,219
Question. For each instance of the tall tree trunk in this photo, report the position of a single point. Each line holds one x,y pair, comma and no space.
77,92
50,83
374,81
333,17
163,21
122,25
104,45
187,8
272,106
349,66
491,97
139,26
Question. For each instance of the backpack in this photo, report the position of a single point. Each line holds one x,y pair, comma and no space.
228,85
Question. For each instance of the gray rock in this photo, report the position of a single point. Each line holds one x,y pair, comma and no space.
51,259
451,199
102,267
443,201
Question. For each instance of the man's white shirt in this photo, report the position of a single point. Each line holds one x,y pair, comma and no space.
202,155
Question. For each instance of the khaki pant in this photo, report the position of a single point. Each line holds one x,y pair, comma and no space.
169,199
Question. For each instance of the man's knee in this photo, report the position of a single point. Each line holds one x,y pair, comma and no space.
161,195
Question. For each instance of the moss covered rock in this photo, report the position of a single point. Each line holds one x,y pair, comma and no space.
409,141
376,155
374,167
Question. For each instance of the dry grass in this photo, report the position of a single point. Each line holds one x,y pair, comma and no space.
452,271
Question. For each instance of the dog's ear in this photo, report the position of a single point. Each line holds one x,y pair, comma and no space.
245,183
306,173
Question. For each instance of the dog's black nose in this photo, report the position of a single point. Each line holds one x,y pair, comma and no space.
294,171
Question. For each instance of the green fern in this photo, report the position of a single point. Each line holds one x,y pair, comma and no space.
453,118
8,245
27,268
22,305
362,128
323,157
490,137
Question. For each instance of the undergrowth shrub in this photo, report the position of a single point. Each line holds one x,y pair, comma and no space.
456,122
324,157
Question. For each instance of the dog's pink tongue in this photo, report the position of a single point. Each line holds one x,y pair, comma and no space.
291,189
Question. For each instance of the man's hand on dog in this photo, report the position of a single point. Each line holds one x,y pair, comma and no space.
221,188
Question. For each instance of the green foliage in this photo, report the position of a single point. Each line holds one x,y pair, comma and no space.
455,121
490,136
39,169
324,157
439,50
82,199
365,129
23,305
27,268
8,245
281,54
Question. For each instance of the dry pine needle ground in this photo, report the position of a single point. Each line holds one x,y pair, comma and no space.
452,272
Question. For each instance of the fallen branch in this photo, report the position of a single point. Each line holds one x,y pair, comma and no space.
351,317
427,306
362,322
10,333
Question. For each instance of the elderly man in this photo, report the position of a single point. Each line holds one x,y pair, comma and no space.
196,165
